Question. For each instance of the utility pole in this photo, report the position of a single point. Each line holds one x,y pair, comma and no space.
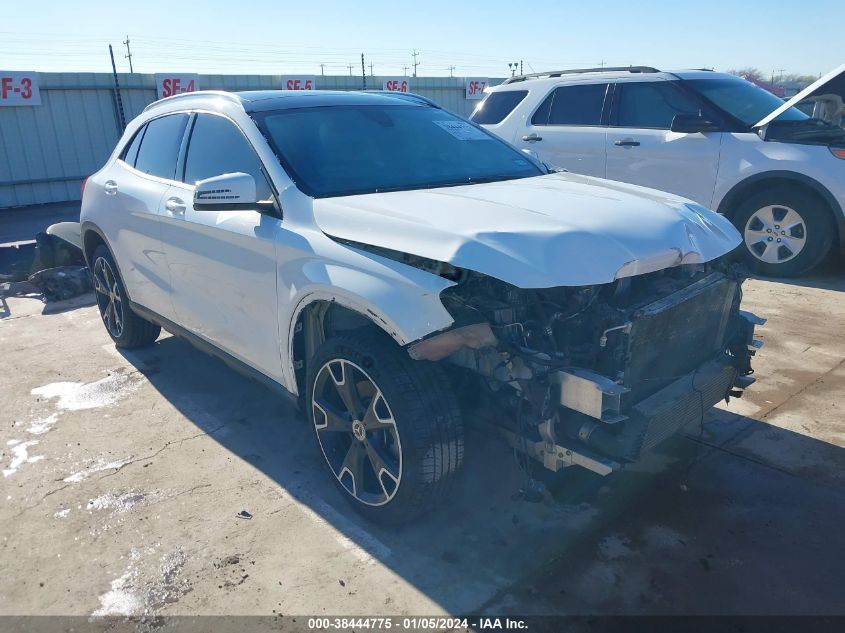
520,67
128,54
451,68
371,69
350,67
363,72
512,67
416,63
322,69
405,70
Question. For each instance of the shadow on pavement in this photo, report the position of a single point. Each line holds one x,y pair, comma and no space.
734,533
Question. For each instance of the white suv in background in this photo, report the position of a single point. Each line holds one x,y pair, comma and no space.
776,172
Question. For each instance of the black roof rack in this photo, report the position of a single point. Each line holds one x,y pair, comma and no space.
577,71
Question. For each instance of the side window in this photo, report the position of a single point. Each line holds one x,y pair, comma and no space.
497,106
130,153
576,105
160,146
218,147
652,105
541,116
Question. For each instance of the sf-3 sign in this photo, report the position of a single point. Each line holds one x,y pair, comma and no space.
19,88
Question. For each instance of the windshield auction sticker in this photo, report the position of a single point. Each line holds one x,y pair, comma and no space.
463,131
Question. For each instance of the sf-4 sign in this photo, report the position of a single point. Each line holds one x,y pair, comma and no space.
299,82
475,87
19,89
168,85
397,84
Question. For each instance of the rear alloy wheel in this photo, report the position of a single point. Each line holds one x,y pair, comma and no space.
388,426
109,297
786,231
127,329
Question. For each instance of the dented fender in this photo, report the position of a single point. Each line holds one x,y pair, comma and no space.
402,300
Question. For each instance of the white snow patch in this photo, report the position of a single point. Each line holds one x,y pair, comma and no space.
101,465
122,598
39,427
118,503
61,514
20,456
102,393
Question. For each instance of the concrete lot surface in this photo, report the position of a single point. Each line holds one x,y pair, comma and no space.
123,475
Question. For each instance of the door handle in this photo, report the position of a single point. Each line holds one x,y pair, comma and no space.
110,187
627,142
175,206
532,138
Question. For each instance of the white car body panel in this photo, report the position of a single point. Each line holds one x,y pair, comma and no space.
555,230
240,279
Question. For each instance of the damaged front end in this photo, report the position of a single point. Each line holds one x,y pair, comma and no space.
596,375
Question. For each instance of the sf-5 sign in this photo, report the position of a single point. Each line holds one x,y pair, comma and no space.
169,85
19,89
299,82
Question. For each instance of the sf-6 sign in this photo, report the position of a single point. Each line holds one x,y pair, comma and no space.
19,89
168,85
475,87
299,82
397,84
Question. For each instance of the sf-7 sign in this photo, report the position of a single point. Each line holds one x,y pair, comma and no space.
19,89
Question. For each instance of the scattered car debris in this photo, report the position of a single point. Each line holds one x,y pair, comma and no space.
243,514
53,265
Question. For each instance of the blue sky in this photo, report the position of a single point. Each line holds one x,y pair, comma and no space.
477,38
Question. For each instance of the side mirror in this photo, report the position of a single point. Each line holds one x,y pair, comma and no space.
228,192
692,124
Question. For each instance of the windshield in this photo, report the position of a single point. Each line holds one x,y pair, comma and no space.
344,150
743,100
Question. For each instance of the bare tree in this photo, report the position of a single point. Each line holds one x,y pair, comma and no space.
749,73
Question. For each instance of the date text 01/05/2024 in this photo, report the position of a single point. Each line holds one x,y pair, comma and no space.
416,623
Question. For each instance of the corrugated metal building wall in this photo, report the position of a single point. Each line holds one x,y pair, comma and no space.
46,150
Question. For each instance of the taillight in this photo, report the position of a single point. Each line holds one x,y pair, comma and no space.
84,182
839,152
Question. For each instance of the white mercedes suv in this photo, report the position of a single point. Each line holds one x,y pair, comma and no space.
394,268
776,172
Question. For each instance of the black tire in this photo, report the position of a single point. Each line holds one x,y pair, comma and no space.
818,232
428,444
130,330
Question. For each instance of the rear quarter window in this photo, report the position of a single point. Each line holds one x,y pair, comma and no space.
160,145
130,152
497,106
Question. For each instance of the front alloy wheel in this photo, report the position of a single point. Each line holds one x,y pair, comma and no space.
388,427
357,432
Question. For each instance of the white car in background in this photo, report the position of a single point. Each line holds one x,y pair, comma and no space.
775,171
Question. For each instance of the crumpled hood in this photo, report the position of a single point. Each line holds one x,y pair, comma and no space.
555,230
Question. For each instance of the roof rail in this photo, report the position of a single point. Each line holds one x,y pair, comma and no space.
197,93
577,71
